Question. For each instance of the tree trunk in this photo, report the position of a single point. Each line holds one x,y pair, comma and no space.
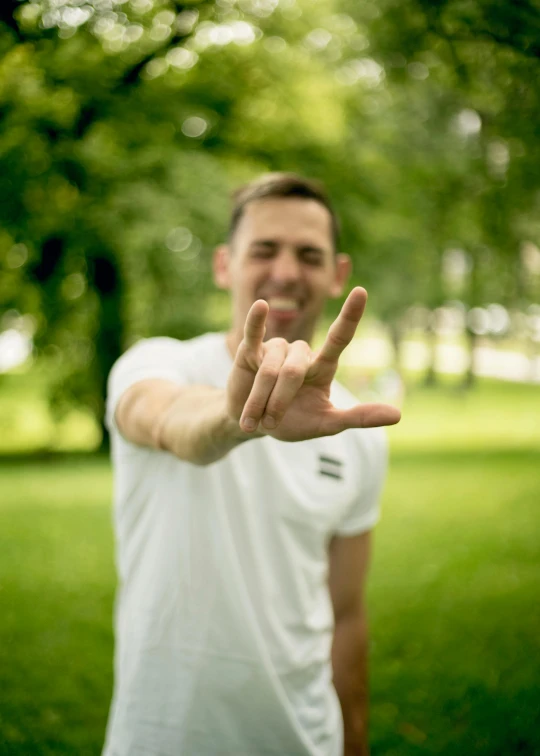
469,379
396,337
109,337
430,378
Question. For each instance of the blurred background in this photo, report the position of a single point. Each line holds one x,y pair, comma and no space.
124,126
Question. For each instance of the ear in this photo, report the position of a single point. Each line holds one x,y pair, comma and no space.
343,269
220,266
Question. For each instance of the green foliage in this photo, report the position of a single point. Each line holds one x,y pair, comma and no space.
126,124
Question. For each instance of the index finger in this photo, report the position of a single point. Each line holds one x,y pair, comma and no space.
255,325
342,330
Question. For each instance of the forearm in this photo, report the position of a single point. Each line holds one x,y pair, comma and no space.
192,422
196,426
350,668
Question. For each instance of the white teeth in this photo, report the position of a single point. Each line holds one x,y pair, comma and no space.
282,303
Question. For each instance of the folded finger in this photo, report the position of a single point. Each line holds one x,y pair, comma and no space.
264,382
290,379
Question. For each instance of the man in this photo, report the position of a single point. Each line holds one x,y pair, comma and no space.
246,486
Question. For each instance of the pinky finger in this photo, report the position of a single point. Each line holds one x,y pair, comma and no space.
365,416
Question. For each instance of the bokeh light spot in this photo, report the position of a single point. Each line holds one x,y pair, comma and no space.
418,70
186,20
318,39
179,57
194,127
275,45
156,67
73,286
17,256
468,122
178,239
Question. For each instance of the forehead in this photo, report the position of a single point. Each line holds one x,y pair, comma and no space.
294,220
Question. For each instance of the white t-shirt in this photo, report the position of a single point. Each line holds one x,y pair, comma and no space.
223,618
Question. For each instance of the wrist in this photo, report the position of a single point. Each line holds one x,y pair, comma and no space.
221,434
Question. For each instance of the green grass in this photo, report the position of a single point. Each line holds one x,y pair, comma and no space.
454,605
453,595
493,416
56,592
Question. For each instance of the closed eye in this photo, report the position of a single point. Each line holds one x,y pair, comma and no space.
311,256
262,254
308,255
263,250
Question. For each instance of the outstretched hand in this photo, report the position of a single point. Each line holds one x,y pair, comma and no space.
283,390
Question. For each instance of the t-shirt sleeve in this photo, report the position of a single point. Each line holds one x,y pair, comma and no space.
364,512
151,358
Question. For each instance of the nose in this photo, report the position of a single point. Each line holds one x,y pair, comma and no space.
286,266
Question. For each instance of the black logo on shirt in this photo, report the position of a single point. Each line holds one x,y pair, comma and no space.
330,467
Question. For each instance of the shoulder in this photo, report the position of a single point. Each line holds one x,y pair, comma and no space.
163,350
156,353
162,357
156,345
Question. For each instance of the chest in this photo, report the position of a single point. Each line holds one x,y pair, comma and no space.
309,485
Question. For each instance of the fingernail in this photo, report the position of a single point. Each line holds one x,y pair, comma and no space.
249,423
269,421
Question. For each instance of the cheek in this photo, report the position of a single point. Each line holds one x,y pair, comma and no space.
321,284
253,279
246,285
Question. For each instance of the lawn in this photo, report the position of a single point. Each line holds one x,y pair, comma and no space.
454,606
453,596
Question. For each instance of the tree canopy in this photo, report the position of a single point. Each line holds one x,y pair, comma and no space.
125,124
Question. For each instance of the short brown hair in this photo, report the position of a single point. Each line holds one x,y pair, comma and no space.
282,185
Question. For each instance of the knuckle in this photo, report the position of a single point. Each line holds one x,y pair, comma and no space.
277,342
277,408
292,373
268,373
243,350
254,408
337,339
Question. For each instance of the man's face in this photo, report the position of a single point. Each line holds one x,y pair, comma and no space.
283,252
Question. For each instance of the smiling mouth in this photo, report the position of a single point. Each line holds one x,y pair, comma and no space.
283,310
283,305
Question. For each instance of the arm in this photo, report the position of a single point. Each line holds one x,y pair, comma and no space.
274,388
349,559
192,422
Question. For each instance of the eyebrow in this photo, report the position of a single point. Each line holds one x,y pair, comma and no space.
272,244
264,243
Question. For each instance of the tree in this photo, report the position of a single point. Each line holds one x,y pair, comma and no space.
126,124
